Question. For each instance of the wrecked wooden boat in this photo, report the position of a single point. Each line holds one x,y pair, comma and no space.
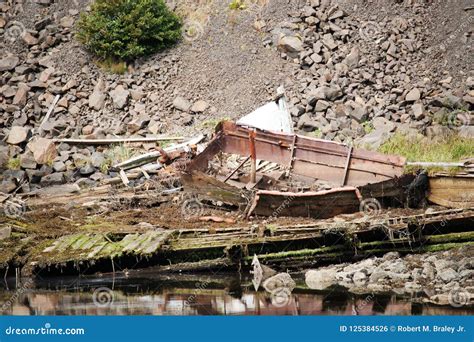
314,178
232,248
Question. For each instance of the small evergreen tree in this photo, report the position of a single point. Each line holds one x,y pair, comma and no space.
127,29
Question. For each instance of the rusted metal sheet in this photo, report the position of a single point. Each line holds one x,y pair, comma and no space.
312,158
320,204
452,192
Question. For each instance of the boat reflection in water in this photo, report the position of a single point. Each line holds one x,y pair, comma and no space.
197,295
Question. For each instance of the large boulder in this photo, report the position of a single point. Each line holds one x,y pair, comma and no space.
290,44
320,279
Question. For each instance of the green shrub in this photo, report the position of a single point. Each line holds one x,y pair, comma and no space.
126,29
237,5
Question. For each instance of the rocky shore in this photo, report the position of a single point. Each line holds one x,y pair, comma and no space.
347,78
444,278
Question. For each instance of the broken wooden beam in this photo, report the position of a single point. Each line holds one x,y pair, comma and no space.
116,140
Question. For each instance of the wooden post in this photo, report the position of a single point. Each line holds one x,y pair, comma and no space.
253,156
346,168
292,152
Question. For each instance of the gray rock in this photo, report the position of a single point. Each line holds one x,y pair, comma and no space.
17,135
7,185
97,159
59,166
447,275
181,104
9,63
307,124
320,279
466,132
21,95
138,123
359,278
413,287
4,156
328,42
429,271
378,275
119,96
199,106
335,14
321,106
332,93
97,100
87,170
55,178
374,139
67,22
359,114
352,59
5,232
27,161
278,281
29,39
418,111
382,123
290,44
413,95
442,264
44,150
437,131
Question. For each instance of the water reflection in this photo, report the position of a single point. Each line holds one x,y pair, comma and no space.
197,295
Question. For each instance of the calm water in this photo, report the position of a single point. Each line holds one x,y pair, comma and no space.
150,294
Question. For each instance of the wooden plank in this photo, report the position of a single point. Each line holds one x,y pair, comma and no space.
236,169
48,114
115,140
452,192
321,204
209,187
346,168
